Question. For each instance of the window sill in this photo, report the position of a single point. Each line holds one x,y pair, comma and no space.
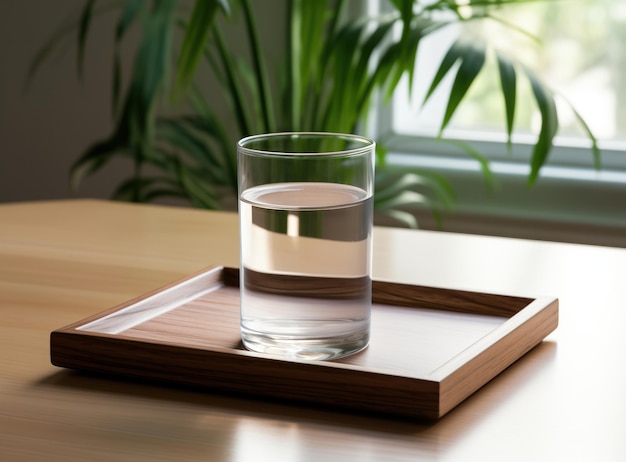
567,204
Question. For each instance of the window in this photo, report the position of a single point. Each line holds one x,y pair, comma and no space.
582,56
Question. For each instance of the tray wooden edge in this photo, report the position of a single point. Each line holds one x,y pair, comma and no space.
327,383
218,271
336,385
494,353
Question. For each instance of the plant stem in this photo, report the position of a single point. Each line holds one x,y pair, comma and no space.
261,78
294,50
231,82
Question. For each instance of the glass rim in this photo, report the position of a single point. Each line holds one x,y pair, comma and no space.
368,144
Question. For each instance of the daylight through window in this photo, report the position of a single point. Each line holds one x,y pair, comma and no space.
581,54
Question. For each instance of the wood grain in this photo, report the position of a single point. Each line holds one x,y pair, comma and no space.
63,261
414,337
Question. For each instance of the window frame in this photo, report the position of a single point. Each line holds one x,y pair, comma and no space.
571,201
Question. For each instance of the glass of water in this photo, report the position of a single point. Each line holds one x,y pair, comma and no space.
305,207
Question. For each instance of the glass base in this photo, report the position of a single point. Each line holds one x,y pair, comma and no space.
318,349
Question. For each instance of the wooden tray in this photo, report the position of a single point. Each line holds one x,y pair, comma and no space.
430,348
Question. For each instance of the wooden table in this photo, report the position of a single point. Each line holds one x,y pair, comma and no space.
62,261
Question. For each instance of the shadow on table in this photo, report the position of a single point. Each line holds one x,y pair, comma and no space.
447,429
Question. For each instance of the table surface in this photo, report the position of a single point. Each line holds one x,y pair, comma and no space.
61,261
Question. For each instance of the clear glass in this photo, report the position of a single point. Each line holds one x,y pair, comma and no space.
305,207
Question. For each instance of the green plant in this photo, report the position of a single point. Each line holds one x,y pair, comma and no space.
334,63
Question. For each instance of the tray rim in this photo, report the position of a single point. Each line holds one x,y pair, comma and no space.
449,379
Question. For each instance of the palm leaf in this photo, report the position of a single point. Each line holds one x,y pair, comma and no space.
208,162
413,29
259,69
514,27
96,157
313,17
153,59
451,57
44,53
594,142
405,8
483,161
134,129
401,216
397,207
479,4
337,11
292,103
196,36
393,59
83,30
340,110
64,32
234,90
384,68
508,82
127,17
549,125
398,191
199,192
403,198
320,92
381,155
149,189
392,182
176,132
307,22
207,122
472,60
373,41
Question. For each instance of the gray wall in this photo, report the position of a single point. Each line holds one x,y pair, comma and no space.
45,128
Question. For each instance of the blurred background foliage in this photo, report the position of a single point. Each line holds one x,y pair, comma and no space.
336,63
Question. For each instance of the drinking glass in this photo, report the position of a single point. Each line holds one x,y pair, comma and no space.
305,207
